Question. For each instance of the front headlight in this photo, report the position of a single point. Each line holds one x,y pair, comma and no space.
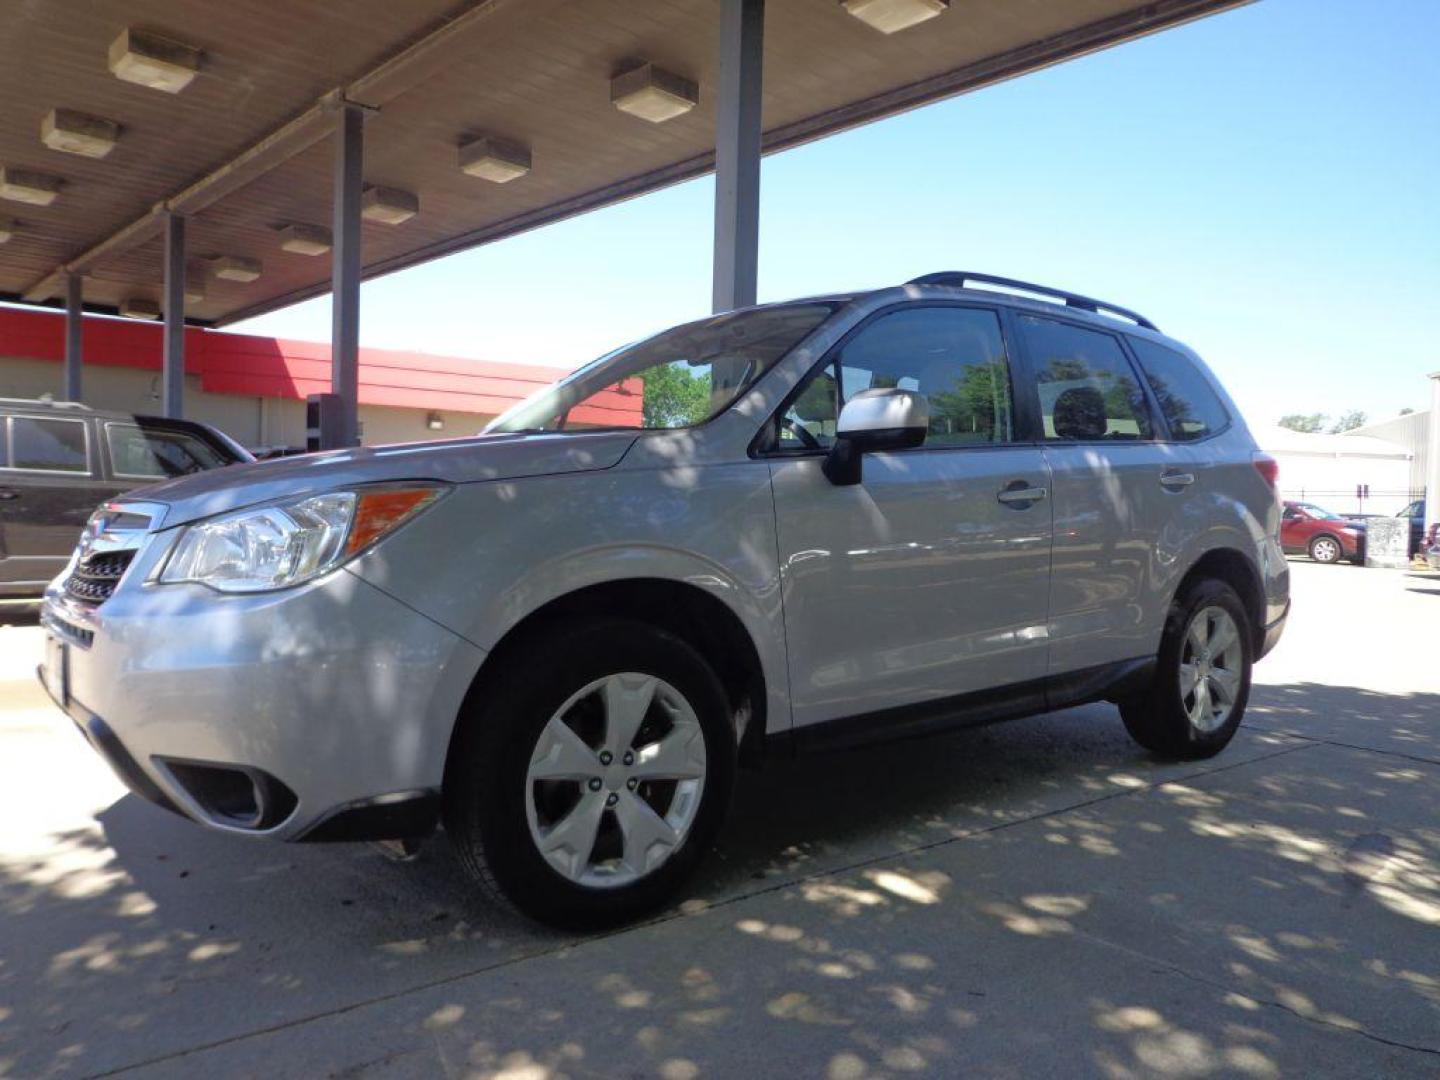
287,543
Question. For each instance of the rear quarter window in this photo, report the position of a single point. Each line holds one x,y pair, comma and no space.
158,453
1191,407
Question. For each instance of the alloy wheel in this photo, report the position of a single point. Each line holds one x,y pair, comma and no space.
615,780
1325,550
1212,660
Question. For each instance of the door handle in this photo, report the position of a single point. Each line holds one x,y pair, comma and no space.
8,493
1175,481
1019,492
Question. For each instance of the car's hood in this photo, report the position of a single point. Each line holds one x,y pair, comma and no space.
458,461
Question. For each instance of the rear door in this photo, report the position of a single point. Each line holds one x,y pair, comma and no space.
49,485
1120,494
930,578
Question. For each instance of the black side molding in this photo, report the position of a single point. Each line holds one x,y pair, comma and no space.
1103,682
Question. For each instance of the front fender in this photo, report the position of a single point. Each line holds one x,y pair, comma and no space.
494,553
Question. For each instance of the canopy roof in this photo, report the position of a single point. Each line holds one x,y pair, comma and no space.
243,149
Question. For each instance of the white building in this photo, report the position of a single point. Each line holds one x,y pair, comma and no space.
1335,471
1410,431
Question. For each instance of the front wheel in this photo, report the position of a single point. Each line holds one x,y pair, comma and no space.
591,784
1194,705
1325,549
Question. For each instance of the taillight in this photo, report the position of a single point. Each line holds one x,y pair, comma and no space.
1267,467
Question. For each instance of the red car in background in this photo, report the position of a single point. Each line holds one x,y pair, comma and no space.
1325,537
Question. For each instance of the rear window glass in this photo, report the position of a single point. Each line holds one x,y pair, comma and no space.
1088,389
151,452
1191,407
52,445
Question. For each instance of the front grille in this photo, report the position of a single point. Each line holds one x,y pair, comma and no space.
95,576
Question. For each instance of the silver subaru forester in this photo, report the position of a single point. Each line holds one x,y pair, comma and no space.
794,525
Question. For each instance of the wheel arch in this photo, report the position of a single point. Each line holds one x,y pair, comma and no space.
1237,570
692,613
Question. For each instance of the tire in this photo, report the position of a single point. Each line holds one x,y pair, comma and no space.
607,864
1326,549
1168,720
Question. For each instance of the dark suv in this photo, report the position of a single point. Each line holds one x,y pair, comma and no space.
59,460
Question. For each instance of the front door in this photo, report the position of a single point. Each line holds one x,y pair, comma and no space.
930,578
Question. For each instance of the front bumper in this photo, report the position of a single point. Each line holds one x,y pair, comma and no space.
334,700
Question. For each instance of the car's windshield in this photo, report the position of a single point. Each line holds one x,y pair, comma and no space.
676,379
1319,512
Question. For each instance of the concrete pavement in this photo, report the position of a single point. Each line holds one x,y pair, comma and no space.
1032,899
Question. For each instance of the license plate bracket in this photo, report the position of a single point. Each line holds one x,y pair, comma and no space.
57,669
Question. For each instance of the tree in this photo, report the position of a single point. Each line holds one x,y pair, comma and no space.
674,396
1348,422
980,398
1309,424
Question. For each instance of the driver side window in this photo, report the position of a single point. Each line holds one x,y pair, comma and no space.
954,356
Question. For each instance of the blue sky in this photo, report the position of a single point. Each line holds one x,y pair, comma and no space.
1263,184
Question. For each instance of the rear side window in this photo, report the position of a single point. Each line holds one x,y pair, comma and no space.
954,356
153,452
1088,390
1191,407
51,445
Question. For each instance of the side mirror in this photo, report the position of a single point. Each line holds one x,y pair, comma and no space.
871,421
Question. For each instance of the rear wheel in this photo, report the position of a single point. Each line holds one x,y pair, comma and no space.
1202,680
1326,549
594,779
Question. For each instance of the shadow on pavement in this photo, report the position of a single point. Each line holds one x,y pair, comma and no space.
1242,915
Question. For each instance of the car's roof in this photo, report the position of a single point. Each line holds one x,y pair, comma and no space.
1038,305
78,410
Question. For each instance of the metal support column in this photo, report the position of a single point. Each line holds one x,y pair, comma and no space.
737,153
74,316
172,367
345,271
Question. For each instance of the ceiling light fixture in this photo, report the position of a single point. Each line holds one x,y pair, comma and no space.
494,159
389,205
235,268
76,133
27,186
139,56
652,93
139,307
890,16
195,286
301,239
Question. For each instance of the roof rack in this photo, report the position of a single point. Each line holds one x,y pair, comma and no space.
958,279
46,402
